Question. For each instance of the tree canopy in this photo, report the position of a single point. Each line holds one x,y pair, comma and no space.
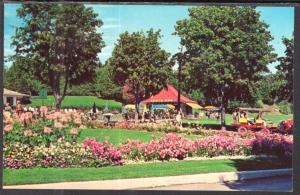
226,49
139,62
62,40
20,76
286,70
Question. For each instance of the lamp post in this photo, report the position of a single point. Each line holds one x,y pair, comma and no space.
180,64
222,107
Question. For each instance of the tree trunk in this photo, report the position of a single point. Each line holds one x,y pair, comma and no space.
180,63
56,92
57,98
137,101
179,87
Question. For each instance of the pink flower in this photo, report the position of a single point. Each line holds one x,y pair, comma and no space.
47,130
82,127
28,133
74,131
58,125
77,121
8,128
43,109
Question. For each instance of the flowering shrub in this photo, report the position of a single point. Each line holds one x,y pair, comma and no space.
103,151
273,144
222,144
44,130
61,154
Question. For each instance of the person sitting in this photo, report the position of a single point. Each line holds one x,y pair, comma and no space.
243,118
259,120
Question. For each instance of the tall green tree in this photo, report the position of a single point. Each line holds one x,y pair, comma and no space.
138,62
286,70
63,41
20,76
226,49
267,89
105,87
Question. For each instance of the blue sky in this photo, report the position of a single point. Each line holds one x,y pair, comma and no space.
120,18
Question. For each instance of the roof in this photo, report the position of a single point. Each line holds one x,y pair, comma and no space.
168,95
8,92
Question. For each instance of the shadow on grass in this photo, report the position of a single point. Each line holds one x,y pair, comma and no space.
210,126
260,164
274,183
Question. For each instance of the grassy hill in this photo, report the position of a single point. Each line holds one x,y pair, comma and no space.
84,102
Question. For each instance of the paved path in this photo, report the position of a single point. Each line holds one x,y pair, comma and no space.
278,183
221,181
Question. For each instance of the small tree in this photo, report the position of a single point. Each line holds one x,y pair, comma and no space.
62,40
138,62
105,86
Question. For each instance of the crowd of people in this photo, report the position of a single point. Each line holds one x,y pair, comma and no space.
155,116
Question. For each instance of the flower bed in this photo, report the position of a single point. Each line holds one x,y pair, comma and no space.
51,141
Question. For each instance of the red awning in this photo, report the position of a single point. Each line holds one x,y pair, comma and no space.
168,95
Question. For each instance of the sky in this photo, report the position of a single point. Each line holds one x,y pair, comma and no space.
132,18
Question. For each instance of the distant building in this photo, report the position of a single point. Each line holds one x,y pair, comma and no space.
12,96
168,97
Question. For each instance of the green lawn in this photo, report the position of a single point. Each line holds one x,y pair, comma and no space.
79,102
50,175
228,119
117,136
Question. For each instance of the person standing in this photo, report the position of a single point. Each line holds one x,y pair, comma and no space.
178,119
7,107
19,108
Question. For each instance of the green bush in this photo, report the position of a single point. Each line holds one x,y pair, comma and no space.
285,107
259,104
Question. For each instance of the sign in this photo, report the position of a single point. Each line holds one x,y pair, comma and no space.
43,94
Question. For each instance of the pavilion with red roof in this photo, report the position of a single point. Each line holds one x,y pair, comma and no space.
169,95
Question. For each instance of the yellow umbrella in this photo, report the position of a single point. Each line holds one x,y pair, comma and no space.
171,106
194,105
209,107
129,106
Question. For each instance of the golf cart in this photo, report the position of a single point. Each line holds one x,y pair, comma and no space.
242,122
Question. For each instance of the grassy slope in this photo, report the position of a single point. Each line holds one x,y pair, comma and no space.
117,136
48,175
79,102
